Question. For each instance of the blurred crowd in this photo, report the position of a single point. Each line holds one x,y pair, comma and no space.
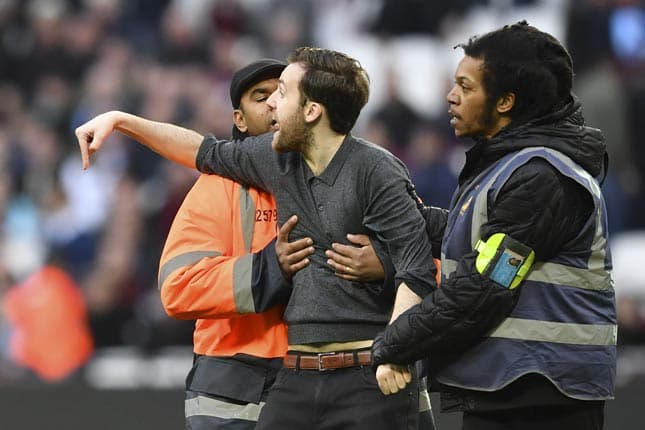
64,61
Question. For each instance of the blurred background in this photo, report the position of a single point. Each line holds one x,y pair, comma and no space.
84,341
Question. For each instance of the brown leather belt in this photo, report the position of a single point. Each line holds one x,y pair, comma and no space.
327,360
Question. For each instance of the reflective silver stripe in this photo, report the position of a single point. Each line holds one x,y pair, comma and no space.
599,245
598,255
242,274
183,260
575,277
448,266
546,331
424,401
553,273
247,217
243,267
201,405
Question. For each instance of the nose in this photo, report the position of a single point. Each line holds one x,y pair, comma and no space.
452,96
271,100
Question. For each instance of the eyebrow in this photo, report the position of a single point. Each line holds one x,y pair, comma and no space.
463,78
260,91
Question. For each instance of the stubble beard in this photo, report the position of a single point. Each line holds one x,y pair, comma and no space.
485,122
296,135
487,118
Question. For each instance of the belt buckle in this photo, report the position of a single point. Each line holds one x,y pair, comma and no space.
320,356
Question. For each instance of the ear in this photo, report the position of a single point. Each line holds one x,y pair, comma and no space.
313,111
505,103
239,120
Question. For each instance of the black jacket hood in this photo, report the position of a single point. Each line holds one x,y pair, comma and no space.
563,130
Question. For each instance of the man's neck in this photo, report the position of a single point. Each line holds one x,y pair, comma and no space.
323,147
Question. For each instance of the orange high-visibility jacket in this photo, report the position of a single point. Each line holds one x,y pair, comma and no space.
206,269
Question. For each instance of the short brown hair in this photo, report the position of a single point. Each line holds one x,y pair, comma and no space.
335,80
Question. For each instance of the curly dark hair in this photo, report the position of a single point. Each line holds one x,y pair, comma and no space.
334,80
523,60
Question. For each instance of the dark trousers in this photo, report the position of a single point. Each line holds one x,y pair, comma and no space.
559,417
343,399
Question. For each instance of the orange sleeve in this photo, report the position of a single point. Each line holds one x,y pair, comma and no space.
198,262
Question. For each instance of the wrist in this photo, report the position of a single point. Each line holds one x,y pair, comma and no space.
119,120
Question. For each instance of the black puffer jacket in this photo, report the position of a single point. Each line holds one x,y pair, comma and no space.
537,206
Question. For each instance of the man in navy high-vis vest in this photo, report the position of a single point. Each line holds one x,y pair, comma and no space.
522,332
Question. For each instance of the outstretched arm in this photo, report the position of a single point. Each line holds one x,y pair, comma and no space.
175,143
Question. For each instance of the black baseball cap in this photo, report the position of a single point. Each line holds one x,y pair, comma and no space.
255,72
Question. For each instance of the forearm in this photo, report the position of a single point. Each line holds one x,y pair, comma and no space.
173,142
390,377
268,285
212,288
405,299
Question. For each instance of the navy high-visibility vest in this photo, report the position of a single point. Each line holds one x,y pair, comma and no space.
564,324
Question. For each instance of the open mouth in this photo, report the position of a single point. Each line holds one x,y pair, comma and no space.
453,117
275,126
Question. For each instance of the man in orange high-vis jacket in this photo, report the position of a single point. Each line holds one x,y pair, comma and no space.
219,267
218,249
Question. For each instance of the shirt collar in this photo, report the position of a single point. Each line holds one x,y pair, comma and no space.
329,175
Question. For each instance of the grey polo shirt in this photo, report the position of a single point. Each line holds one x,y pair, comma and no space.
364,189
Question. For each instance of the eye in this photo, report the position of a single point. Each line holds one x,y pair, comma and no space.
463,85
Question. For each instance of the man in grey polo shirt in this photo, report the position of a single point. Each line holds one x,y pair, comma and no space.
336,184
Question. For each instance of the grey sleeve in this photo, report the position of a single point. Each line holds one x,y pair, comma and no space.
388,268
392,214
249,162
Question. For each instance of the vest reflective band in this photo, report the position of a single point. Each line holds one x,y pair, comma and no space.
564,324
183,260
211,407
